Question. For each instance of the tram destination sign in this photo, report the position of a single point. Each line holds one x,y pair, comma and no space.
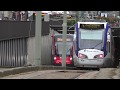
60,39
92,26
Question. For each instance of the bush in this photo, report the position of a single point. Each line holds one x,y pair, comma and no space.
109,19
71,22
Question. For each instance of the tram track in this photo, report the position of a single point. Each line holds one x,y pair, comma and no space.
48,74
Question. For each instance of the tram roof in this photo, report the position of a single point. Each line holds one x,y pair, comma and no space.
92,22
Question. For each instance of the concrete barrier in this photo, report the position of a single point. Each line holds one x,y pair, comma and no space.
18,70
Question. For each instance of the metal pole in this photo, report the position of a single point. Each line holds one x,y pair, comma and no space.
64,39
38,25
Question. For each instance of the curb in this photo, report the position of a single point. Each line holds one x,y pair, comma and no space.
18,70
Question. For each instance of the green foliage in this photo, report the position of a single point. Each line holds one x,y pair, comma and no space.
109,19
71,22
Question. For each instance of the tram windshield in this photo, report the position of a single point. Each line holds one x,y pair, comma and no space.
91,38
59,48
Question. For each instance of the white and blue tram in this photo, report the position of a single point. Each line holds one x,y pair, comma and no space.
93,45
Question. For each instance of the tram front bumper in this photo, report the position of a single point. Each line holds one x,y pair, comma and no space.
89,62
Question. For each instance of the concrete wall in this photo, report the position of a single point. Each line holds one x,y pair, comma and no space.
46,49
31,51
17,43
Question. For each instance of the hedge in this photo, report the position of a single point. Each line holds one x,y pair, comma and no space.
109,19
71,22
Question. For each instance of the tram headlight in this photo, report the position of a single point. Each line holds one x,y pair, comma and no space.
100,56
54,58
82,56
70,58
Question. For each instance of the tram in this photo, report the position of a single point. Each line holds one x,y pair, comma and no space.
57,43
93,45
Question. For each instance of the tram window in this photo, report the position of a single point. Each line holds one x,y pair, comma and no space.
59,48
88,34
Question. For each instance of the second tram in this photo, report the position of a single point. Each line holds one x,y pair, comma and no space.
57,43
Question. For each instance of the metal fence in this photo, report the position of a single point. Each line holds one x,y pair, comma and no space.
13,53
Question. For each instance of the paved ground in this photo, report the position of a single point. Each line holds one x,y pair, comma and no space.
47,74
88,75
104,73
